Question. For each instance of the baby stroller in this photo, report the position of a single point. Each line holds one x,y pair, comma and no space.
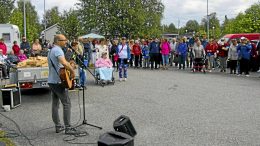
199,65
104,76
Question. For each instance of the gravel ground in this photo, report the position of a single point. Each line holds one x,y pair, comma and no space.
167,108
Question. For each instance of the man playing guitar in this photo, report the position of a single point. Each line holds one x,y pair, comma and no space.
56,60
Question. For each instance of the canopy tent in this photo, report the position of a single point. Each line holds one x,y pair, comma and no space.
93,35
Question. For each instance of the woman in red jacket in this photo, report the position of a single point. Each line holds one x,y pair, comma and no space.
137,52
3,46
16,48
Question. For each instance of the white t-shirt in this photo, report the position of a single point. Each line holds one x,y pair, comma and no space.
100,49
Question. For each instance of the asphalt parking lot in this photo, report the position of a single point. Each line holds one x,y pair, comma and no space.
167,108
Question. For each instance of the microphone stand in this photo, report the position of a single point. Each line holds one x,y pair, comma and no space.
83,66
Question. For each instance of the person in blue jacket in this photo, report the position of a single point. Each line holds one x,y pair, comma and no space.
182,52
154,53
244,51
123,52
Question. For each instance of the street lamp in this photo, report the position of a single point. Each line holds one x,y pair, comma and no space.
45,21
213,31
186,31
24,17
208,18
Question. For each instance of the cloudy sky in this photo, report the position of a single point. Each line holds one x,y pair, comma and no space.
175,10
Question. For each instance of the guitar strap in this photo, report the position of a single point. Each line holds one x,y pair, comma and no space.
53,65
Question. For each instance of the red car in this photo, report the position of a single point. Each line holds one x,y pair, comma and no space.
250,36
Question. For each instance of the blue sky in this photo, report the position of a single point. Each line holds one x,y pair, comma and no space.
175,10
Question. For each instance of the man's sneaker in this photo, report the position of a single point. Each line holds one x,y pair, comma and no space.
125,79
59,128
247,75
72,131
258,70
120,79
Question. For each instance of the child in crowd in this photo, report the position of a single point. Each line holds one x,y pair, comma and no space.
16,48
22,56
145,52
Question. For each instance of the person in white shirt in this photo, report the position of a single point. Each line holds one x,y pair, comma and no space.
173,49
102,47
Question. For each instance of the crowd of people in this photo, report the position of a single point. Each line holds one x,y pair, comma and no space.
240,55
19,53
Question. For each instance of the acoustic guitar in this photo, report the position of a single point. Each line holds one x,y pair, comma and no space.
65,78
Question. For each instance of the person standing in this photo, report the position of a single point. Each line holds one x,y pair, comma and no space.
102,47
56,60
137,53
182,53
25,46
154,53
210,54
113,53
233,56
131,44
145,53
123,51
165,50
244,51
173,49
223,54
198,53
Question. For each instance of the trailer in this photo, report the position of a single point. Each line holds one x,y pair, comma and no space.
29,78
9,33
32,77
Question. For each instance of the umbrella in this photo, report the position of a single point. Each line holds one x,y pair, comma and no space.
93,35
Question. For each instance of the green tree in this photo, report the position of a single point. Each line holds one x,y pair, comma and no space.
214,25
192,25
51,17
6,8
129,18
169,29
70,24
33,26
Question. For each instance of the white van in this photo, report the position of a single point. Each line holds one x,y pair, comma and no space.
10,33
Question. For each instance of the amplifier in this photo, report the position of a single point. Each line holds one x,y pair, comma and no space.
11,96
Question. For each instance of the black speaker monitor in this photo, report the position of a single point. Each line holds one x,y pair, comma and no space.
115,139
124,124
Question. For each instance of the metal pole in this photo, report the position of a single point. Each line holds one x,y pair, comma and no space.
45,22
208,18
178,27
24,19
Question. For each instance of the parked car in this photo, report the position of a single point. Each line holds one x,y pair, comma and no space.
250,36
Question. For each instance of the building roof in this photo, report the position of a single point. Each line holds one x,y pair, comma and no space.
55,25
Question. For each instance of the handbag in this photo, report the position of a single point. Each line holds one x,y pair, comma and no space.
116,57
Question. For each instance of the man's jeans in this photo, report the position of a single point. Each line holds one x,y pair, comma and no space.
58,92
82,77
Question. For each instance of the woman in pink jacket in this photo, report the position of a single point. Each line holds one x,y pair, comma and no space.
104,68
165,50
104,61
